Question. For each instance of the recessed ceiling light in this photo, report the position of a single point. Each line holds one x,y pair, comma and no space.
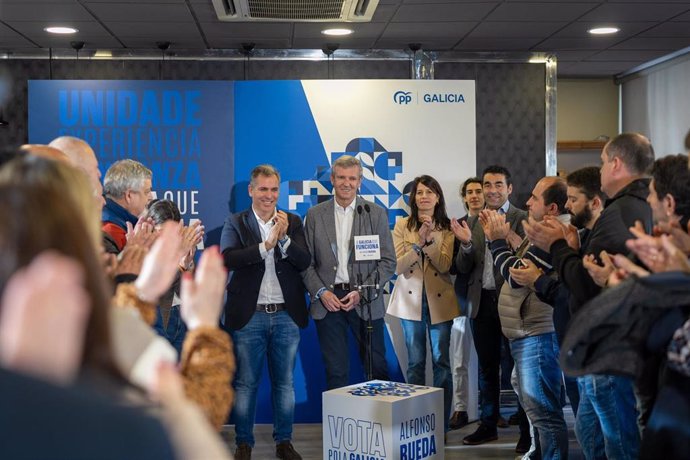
603,30
61,30
337,31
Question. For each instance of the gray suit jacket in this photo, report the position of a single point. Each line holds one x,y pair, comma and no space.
319,229
471,261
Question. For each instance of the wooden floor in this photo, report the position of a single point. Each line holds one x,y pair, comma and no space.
307,441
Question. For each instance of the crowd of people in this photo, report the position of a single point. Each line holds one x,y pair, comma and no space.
132,345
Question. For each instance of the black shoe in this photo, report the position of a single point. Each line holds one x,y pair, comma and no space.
514,419
501,423
523,444
480,436
285,451
243,452
458,420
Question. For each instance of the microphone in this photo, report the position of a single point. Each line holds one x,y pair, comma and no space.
368,210
354,261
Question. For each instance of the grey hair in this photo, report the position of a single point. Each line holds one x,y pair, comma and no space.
346,161
125,175
263,170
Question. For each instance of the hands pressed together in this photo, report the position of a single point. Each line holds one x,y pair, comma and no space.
278,231
425,230
494,225
546,232
346,303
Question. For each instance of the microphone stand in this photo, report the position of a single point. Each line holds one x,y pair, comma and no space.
365,301
366,298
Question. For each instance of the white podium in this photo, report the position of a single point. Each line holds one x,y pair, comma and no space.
380,420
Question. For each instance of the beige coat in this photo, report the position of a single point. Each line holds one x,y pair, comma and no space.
414,272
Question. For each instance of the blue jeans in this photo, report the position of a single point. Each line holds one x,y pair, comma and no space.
439,337
539,382
176,331
276,336
606,419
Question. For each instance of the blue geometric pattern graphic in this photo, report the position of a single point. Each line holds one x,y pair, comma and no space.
400,390
381,169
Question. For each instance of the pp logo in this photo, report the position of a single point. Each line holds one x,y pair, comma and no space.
402,97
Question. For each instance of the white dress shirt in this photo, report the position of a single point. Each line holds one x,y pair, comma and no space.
270,291
344,218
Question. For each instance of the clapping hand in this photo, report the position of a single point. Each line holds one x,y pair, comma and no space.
599,272
624,268
658,253
160,264
43,316
461,230
191,237
494,224
425,230
281,221
543,234
143,233
202,294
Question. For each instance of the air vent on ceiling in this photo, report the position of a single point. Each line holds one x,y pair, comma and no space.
295,10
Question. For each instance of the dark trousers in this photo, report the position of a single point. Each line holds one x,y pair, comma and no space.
332,332
487,335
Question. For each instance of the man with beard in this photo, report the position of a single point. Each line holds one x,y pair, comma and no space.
585,199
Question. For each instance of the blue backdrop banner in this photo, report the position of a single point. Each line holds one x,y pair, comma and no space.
182,130
202,138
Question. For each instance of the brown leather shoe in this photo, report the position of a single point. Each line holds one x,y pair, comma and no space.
502,423
457,420
243,452
285,451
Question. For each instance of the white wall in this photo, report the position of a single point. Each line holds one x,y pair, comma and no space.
656,103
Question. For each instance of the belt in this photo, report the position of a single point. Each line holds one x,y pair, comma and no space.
270,307
342,286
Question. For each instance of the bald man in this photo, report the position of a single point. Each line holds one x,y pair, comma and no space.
44,151
527,321
81,155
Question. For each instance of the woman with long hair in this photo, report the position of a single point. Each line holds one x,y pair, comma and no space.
423,297
48,206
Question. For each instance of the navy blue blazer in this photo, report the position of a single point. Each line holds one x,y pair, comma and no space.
239,244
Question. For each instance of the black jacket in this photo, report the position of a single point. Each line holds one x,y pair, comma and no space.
612,333
239,243
609,233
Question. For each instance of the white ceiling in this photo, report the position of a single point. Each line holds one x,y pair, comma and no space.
649,29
